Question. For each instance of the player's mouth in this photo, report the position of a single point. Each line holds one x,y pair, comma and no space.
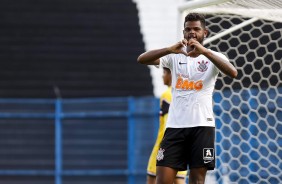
192,37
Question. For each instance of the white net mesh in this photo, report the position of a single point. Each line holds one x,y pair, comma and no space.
248,109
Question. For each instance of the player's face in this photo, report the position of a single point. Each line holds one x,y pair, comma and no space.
166,77
194,30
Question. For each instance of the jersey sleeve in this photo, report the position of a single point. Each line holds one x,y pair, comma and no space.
164,107
166,61
223,57
165,102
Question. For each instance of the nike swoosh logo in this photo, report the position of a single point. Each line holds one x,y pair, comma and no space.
206,162
182,63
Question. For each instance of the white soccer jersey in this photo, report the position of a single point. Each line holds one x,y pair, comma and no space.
193,81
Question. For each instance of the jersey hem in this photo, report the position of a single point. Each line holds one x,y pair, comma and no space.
190,126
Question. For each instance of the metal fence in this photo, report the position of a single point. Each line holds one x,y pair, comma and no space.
76,140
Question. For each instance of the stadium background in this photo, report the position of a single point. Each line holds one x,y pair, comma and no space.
75,106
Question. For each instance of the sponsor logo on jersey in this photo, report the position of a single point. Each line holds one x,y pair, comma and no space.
186,84
202,66
160,155
208,155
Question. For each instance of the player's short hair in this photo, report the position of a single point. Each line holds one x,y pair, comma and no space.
196,17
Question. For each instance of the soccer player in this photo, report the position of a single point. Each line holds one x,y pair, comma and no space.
190,129
164,106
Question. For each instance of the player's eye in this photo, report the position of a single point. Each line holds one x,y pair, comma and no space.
187,29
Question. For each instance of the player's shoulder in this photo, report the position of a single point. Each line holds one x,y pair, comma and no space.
170,60
218,53
174,56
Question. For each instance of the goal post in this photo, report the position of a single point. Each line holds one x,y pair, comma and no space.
260,9
248,109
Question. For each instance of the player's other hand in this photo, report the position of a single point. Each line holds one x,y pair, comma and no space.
196,48
179,48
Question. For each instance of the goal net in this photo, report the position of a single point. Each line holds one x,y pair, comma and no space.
248,109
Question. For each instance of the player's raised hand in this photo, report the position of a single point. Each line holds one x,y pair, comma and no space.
179,47
196,48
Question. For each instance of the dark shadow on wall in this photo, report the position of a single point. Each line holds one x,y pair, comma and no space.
81,48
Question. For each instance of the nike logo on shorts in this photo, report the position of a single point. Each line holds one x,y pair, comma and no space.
206,162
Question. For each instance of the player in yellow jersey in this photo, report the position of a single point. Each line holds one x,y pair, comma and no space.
164,106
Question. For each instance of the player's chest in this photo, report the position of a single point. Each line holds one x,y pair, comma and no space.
192,68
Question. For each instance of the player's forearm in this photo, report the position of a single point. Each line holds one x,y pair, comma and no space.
152,57
225,66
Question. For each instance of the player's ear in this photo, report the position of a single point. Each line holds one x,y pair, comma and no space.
206,33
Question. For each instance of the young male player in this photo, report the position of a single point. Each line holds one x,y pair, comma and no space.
165,100
190,128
